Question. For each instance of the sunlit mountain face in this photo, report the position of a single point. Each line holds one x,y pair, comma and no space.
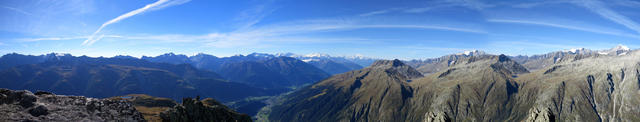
320,60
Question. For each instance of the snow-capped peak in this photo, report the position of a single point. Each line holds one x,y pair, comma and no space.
618,50
287,55
621,47
309,60
62,54
261,55
471,53
316,55
574,50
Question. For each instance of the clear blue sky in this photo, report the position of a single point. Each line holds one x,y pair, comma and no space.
402,29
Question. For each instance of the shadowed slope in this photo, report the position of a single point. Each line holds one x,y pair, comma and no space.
106,77
373,93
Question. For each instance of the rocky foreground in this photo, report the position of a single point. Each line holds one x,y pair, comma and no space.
23,105
43,106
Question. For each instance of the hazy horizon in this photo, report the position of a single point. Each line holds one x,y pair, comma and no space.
316,54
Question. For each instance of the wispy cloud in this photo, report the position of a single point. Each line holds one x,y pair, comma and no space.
281,32
153,6
537,3
472,4
18,10
272,31
418,10
50,39
601,9
379,12
62,38
627,3
593,30
254,15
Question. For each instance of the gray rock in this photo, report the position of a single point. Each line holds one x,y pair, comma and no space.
26,106
208,110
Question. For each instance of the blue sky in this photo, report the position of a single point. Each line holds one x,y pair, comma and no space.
404,29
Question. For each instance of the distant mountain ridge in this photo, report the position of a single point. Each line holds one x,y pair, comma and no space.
256,69
330,64
536,62
106,77
429,66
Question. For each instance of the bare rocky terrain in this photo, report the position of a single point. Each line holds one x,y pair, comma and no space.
43,106
207,110
595,87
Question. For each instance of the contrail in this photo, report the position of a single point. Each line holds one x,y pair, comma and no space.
92,39
599,8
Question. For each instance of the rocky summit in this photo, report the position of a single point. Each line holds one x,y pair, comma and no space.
207,110
44,106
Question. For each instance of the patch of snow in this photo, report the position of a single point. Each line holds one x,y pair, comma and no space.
471,53
618,50
309,60
62,54
574,50
264,55
316,55
621,47
287,55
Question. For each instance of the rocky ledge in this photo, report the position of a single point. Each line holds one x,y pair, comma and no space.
43,106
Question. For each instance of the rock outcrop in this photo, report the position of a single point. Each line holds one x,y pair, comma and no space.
149,106
207,110
538,115
43,106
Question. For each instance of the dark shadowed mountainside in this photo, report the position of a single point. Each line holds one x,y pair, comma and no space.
256,69
106,77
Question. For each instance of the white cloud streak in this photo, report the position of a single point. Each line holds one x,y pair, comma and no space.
472,4
379,12
284,32
62,38
600,31
602,10
18,10
252,36
153,6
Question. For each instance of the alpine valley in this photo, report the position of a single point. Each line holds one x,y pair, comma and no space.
570,85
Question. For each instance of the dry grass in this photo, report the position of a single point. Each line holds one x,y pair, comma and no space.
151,114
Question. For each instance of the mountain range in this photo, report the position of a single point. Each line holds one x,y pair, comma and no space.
475,86
570,85
106,77
331,64
536,62
256,69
